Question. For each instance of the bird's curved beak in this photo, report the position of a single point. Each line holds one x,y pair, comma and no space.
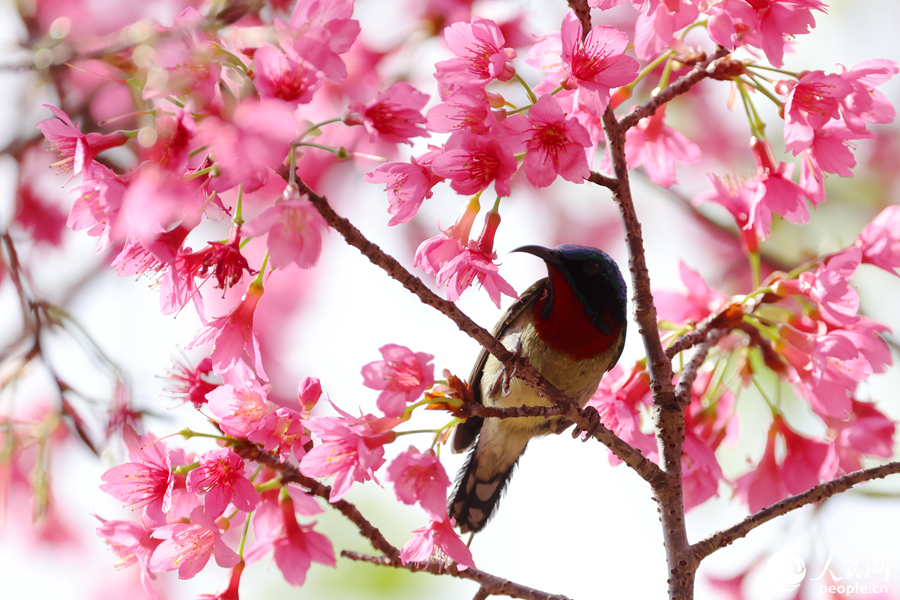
548,255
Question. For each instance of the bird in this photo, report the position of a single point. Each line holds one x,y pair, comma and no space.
571,327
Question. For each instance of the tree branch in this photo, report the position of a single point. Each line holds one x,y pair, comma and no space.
689,373
825,490
491,583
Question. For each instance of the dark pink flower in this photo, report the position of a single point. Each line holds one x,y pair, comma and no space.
294,546
309,391
693,306
190,384
471,162
402,376
230,592
737,198
173,136
779,21
812,101
147,480
775,192
233,334
476,261
729,20
282,430
420,477
803,459
294,228
764,484
658,147
480,55
187,547
867,104
240,403
597,64
620,399
466,109
352,449
100,196
556,144
865,432
830,288
394,116
285,75
408,184
655,33
437,541
880,240
221,478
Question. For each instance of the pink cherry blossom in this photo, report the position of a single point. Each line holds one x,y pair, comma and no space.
803,459
352,449
294,546
280,429
476,261
867,104
173,141
729,20
187,547
645,6
556,144
654,33
394,116
240,403
764,484
465,109
100,195
779,21
775,192
285,75
597,64
190,384
480,55
147,480
830,288
309,391
471,162
866,431
812,101
221,478
434,253
437,541
402,376
545,55
658,147
694,306
620,399
233,335
76,149
132,543
880,240
737,198
420,477
408,184
294,228
230,591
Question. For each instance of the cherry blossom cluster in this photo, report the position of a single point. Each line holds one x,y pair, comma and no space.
805,328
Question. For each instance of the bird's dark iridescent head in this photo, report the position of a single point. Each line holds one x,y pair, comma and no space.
593,276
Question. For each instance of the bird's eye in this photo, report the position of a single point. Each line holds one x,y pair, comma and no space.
591,268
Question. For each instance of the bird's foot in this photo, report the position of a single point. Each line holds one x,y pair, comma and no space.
593,425
519,361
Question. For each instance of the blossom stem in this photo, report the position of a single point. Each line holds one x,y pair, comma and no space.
315,127
185,469
258,280
650,68
757,127
762,90
202,172
528,91
268,486
335,151
187,433
244,537
238,214
774,70
755,265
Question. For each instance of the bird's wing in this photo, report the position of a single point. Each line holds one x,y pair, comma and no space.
466,432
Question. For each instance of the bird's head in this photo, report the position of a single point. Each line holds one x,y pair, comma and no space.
593,278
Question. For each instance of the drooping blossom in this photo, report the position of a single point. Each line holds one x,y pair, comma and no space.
774,191
693,306
402,376
466,109
351,449
147,480
471,162
435,252
555,144
481,55
619,400
220,477
190,384
658,147
320,32
172,147
764,484
729,20
866,104
419,476
394,116
476,261
437,541
188,546
96,208
880,240
294,546
132,543
737,198
280,429
812,101
865,432
230,591
408,184
294,228
76,149
656,32
285,74
597,64
233,334
780,21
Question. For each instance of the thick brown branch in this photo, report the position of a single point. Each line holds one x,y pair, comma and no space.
494,585
721,539
583,12
678,87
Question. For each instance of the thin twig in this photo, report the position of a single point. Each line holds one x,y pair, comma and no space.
689,373
719,540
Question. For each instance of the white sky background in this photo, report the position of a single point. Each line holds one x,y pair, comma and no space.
569,524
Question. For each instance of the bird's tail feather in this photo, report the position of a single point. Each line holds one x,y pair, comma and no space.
474,501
